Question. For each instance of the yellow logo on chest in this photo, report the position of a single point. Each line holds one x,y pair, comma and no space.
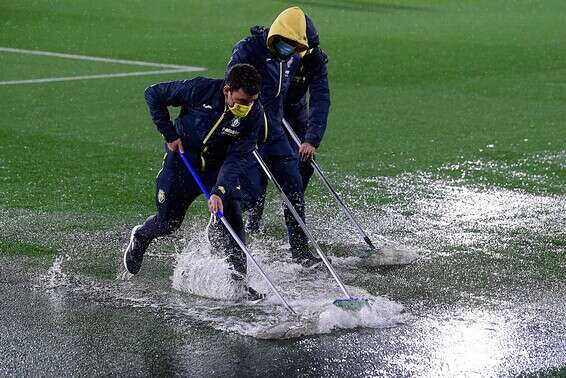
161,196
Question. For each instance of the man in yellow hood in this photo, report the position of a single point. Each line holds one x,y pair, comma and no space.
290,29
306,109
275,54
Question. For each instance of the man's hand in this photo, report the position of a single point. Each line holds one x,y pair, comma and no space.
176,144
215,204
306,151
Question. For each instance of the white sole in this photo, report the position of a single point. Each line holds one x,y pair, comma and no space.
128,247
256,301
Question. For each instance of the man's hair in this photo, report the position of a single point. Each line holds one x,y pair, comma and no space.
244,76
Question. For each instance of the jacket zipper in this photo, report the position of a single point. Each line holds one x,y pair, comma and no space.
280,78
265,128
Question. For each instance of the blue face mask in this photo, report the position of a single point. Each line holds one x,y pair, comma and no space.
284,49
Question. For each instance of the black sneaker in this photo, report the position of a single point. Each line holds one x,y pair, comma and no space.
254,296
133,256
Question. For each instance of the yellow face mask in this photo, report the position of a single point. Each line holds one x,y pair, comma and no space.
240,110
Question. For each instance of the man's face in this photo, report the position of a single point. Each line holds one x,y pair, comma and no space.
285,48
238,97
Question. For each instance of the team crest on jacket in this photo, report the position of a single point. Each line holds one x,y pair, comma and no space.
161,196
235,122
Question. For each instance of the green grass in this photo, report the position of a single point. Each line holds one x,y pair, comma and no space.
438,103
415,86
17,66
16,247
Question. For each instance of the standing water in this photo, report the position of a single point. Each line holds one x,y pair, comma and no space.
470,282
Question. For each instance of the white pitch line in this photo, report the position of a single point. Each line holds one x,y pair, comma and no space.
98,59
91,77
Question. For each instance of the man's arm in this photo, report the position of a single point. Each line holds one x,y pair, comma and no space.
159,96
319,98
241,53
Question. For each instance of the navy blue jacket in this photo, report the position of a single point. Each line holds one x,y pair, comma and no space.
276,77
213,138
311,76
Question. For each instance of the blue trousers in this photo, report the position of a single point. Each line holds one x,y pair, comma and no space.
283,163
175,192
297,116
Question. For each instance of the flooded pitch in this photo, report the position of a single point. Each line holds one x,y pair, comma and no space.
471,283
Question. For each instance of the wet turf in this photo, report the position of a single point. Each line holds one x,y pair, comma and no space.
16,247
446,134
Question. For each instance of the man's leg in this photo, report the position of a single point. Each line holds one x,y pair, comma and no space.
284,165
174,194
297,116
306,170
254,185
235,257
222,240
286,172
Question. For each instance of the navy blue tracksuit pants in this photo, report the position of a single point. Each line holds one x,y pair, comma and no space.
176,190
297,116
283,163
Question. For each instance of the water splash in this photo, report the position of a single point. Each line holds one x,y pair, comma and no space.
55,277
200,273
309,292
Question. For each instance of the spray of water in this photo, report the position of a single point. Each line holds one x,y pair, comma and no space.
55,277
309,292
198,272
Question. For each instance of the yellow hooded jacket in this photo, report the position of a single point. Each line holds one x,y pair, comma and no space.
292,25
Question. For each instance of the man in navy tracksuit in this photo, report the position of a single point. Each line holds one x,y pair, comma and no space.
308,121
274,54
217,129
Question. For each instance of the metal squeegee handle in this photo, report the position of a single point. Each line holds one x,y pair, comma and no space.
341,203
301,223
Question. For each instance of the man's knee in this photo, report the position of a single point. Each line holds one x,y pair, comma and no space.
290,177
252,195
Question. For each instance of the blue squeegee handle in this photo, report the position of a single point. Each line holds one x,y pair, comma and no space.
203,189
